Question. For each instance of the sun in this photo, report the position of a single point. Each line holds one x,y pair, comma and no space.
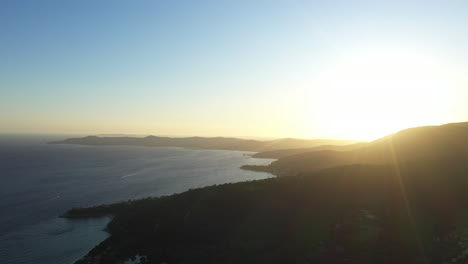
376,91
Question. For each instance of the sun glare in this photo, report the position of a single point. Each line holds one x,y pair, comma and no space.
375,92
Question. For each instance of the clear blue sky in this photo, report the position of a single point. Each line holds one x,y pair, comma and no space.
233,68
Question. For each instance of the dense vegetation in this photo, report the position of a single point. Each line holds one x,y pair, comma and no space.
410,209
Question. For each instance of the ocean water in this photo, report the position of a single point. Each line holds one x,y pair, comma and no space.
41,181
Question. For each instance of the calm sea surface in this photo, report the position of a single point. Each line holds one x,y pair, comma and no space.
38,182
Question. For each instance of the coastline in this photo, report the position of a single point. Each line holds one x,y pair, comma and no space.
111,210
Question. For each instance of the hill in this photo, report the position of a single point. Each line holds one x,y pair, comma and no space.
399,199
281,153
413,144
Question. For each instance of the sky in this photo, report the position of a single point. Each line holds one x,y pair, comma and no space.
309,69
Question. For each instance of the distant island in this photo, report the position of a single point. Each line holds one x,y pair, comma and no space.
399,199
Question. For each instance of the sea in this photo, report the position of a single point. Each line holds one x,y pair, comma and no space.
40,181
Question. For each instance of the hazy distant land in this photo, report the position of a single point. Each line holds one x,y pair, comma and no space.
221,143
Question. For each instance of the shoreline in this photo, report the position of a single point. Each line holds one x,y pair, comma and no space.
113,209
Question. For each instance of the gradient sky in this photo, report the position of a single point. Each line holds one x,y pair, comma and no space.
232,68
